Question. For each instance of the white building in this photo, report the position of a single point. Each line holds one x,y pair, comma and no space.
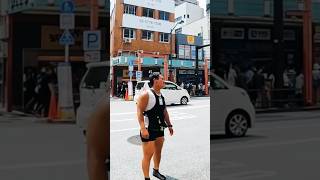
179,2
188,13
195,23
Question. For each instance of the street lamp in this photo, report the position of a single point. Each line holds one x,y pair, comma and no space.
170,55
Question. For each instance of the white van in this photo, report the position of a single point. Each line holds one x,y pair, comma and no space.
233,111
93,87
172,93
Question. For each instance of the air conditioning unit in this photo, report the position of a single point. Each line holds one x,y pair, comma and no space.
127,40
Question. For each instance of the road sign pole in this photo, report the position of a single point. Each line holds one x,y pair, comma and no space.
66,52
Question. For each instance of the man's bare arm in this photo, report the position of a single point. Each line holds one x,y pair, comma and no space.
98,141
166,117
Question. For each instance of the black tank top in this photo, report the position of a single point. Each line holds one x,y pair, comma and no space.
156,114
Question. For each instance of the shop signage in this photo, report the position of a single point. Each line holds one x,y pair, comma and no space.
259,34
50,36
193,52
137,22
181,51
232,33
187,52
19,5
190,40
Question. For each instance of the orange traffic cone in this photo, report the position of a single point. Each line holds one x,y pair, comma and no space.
127,96
53,112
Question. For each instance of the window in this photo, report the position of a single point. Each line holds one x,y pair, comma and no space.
164,15
164,37
129,9
147,35
129,33
170,86
148,12
188,16
217,84
178,19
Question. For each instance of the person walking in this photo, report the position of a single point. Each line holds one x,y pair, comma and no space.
153,118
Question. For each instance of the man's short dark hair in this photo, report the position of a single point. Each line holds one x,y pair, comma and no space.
154,75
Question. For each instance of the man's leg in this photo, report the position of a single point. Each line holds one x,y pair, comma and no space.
157,158
157,153
148,151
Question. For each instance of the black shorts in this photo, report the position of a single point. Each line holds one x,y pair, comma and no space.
153,135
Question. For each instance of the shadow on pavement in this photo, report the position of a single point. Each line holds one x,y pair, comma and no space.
221,138
171,178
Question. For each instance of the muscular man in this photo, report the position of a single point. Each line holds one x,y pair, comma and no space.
153,118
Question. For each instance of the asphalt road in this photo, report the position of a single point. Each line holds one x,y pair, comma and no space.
281,146
185,154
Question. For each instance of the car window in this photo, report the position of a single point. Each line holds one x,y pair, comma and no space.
218,84
170,86
95,77
139,85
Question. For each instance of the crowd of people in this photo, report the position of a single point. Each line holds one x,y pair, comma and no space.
39,85
259,82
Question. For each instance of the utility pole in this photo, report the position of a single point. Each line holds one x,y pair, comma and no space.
278,60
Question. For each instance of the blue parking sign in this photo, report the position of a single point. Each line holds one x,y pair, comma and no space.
67,6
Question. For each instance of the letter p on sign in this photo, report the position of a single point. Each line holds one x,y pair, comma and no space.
91,40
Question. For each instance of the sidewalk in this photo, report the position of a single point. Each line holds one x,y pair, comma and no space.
17,116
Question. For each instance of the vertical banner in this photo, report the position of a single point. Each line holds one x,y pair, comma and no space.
181,51
187,52
193,52
65,92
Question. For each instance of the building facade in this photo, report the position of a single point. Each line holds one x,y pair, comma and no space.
30,42
142,26
179,2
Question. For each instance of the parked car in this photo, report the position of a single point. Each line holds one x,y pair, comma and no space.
233,111
172,93
93,88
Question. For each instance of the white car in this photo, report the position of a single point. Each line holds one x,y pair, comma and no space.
233,111
93,88
172,93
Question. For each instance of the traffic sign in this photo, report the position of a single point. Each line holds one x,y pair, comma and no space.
130,73
138,75
130,68
66,21
67,6
92,56
66,38
92,40
131,61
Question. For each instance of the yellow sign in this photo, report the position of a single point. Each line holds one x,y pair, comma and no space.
190,39
50,36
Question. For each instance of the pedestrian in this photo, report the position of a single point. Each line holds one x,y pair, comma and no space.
153,118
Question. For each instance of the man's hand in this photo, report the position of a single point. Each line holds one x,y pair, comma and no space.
171,131
144,133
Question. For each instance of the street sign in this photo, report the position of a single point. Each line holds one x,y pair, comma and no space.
92,56
130,68
66,38
67,6
131,62
67,21
138,75
92,40
130,74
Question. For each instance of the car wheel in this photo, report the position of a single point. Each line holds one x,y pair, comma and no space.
237,124
184,100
